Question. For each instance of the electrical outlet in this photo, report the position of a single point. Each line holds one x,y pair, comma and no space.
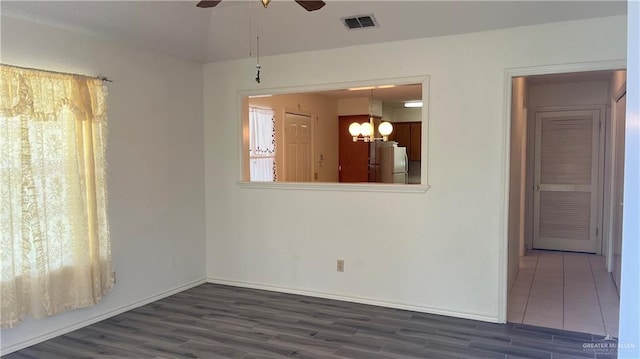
340,267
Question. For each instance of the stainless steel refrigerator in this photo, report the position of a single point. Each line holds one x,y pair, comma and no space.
394,163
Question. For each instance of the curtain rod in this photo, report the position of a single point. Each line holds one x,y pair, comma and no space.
103,78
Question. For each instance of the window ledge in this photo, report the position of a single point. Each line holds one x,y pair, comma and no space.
337,187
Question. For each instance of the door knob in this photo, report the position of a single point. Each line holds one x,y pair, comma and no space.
538,188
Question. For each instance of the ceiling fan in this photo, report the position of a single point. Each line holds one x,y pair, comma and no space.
309,5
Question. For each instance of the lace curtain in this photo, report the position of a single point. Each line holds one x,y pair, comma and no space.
56,252
262,144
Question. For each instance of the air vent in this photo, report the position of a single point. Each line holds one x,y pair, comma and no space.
359,22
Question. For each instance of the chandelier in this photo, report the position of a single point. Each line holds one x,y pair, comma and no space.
365,131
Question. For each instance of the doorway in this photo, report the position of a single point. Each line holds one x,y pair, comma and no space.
560,221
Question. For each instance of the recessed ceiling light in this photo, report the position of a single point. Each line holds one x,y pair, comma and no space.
362,88
371,87
413,104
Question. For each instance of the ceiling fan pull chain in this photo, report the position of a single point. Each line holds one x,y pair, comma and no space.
258,58
258,48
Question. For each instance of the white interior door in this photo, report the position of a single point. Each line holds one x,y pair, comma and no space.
297,148
566,180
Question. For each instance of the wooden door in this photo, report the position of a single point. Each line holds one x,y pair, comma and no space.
618,189
353,156
566,179
297,148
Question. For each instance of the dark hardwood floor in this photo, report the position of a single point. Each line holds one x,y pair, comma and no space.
216,321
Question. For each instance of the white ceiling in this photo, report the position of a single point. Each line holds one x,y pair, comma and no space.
225,32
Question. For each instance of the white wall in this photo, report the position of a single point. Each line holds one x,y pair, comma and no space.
387,113
439,251
359,106
574,93
413,114
155,165
517,173
630,296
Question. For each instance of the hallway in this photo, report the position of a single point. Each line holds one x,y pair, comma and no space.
564,290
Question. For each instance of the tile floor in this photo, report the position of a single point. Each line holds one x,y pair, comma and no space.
564,290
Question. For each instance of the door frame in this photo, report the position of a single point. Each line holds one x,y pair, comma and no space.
610,179
503,238
614,174
530,173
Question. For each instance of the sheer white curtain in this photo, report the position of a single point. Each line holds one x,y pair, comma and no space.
262,144
53,222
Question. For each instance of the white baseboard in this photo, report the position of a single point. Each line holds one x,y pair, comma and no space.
346,298
92,320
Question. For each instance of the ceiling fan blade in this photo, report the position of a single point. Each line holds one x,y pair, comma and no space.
311,5
208,3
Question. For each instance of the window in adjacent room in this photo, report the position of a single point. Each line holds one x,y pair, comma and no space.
53,219
262,144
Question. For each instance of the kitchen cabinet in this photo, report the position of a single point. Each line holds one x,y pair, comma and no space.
409,135
415,147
